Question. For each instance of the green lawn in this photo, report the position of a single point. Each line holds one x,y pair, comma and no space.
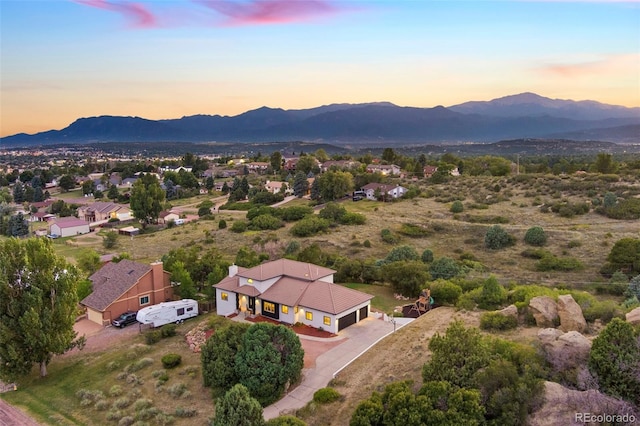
383,296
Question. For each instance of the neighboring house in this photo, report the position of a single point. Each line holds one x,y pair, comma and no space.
128,182
175,169
41,217
274,187
258,166
167,216
429,171
385,169
291,163
290,292
103,211
372,190
126,286
69,226
339,164
217,186
42,205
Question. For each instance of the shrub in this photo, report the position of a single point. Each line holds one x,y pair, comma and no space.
457,207
535,236
168,330
138,365
351,218
427,256
239,226
497,238
550,262
142,404
445,292
152,337
414,231
309,226
178,390
285,421
445,268
401,253
264,222
171,360
203,211
367,243
326,395
388,237
497,321
222,224
294,213
185,412
493,295
121,403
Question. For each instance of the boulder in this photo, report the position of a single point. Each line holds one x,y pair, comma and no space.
561,405
544,310
549,335
633,317
509,311
564,350
570,313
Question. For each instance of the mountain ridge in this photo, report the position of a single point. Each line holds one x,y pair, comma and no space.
525,115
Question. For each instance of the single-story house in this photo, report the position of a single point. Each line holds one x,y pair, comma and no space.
41,217
167,216
69,226
128,182
290,291
126,286
373,190
129,231
104,210
429,170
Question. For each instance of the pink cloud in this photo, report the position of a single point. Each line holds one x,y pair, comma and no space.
608,65
138,14
259,12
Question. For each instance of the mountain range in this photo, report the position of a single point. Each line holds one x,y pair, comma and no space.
525,115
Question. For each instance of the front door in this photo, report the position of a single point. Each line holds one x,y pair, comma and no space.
252,305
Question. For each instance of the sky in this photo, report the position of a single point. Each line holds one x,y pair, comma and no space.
65,59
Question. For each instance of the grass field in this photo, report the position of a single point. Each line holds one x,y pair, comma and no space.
127,380
515,204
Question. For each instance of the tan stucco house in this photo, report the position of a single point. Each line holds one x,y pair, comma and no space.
291,292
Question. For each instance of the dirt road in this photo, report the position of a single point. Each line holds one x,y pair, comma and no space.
11,416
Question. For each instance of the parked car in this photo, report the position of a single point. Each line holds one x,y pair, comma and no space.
125,319
53,236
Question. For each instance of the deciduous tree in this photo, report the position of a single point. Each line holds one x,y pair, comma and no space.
147,198
38,302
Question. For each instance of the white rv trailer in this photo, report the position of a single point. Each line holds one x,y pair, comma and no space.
168,312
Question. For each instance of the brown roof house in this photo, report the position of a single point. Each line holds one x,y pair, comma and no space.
291,292
126,286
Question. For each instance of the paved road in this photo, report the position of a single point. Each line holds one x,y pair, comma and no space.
357,339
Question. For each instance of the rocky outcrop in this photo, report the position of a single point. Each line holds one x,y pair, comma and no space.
570,313
633,317
564,406
544,310
564,350
509,311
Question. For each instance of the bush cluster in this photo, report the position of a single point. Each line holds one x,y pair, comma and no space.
497,238
497,321
388,237
171,360
445,292
309,226
326,395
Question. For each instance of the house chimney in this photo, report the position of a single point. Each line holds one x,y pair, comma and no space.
157,276
233,270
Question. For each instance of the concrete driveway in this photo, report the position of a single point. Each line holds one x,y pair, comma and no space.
355,340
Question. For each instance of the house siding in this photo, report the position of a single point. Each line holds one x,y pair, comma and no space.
69,231
225,307
318,319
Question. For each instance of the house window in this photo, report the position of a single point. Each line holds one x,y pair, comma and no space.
269,307
309,316
224,296
180,311
285,309
144,300
326,320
